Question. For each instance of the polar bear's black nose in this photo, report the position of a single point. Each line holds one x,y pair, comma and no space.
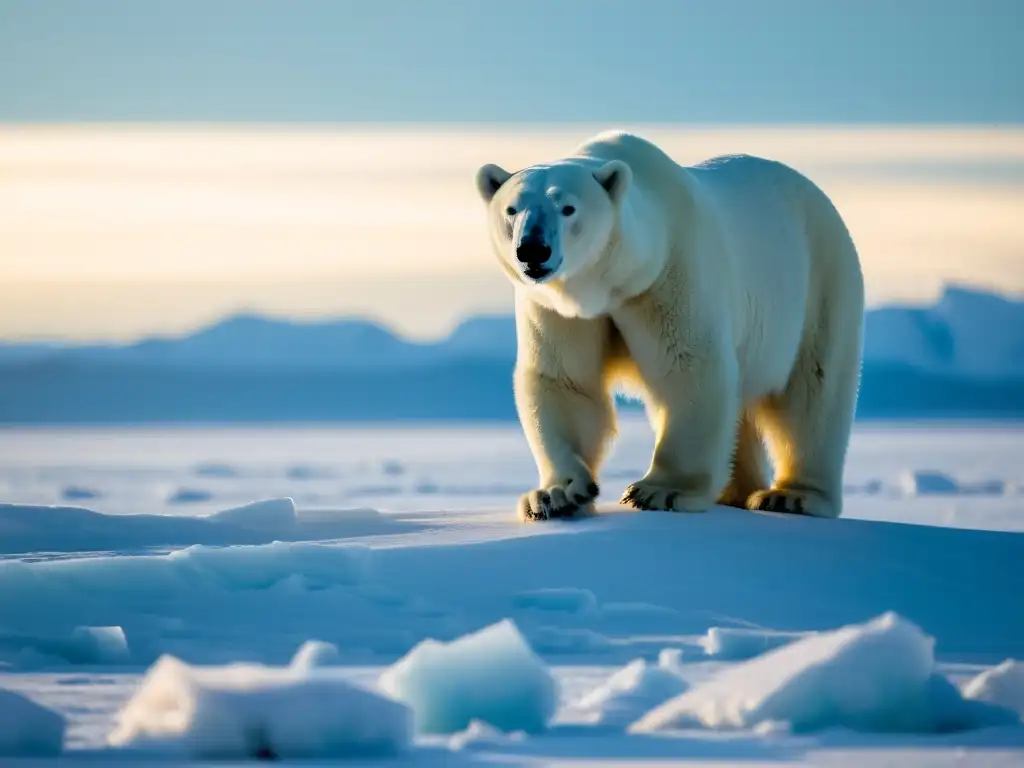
533,252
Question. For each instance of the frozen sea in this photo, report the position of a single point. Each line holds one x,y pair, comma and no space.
122,546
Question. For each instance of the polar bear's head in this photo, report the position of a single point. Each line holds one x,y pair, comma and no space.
553,221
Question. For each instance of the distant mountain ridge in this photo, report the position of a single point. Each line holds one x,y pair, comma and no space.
254,341
962,356
966,332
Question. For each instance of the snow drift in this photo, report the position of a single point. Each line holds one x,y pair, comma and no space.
491,675
316,653
731,644
243,711
276,514
82,645
1002,685
875,677
631,691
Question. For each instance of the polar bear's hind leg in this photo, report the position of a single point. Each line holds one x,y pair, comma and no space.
808,424
749,465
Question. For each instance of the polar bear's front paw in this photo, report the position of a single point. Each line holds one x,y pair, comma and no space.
573,498
793,501
644,495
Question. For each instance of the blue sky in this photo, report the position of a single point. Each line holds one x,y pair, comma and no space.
451,61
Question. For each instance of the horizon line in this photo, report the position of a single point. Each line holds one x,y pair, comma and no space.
324,319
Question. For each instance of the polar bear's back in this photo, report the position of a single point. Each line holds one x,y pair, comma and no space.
752,231
765,211
652,164
781,228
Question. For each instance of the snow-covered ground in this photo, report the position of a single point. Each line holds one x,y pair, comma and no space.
448,632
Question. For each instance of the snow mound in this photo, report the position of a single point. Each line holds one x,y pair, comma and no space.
259,567
215,469
930,483
873,677
630,692
729,644
275,514
491,675
101,645
78,493
671,659
479,734
28,729
83,645
162,601
316,653
243,711
1002,686
189,496
393,468
990,487
27,529
306,472
923,482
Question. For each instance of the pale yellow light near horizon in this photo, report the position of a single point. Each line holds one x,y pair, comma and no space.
113,232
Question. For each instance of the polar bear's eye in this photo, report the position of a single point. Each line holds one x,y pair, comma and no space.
510,211
568,210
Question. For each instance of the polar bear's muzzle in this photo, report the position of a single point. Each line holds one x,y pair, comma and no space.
534,254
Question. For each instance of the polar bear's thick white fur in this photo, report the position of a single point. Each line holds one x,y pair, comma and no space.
729,294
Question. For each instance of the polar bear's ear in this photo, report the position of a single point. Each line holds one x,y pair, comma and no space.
615,177
489,179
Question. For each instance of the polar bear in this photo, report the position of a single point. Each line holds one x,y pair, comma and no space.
728,294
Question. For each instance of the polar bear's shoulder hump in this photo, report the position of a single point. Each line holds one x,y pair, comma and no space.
636,151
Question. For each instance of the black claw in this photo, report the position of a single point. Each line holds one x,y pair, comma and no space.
777,502
537,513
670,500
569,511
798,506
